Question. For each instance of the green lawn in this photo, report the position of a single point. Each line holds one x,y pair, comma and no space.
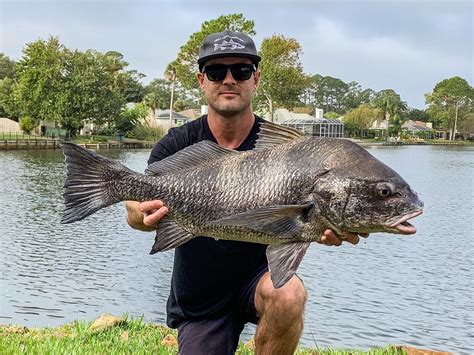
127,336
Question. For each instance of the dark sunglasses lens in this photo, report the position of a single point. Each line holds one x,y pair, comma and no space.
218,72
241,71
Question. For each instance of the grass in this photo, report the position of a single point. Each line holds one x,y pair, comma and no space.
22,136
130,336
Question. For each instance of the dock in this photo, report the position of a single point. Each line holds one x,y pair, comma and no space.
17,144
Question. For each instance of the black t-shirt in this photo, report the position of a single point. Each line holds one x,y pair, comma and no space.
207,273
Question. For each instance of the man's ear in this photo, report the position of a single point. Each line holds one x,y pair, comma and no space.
200,78
256,79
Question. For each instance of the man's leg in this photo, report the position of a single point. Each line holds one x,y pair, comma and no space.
217,336
281,314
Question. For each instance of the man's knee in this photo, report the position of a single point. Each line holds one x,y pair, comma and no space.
287,301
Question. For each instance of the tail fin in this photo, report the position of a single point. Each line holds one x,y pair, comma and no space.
89,185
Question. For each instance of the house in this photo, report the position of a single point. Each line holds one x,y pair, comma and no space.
191,113
417,127
162,118
9,126
310,125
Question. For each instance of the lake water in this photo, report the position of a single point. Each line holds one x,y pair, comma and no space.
414,290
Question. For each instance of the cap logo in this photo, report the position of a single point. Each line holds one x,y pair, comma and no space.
229,44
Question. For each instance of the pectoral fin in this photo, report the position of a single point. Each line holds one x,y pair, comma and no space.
169,235
283,221
283,261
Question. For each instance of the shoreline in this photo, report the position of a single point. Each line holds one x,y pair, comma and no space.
33,144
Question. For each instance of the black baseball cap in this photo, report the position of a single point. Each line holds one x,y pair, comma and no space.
227,44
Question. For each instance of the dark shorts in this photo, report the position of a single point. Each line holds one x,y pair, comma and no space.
220,335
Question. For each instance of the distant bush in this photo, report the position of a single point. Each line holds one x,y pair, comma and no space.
146,133
28,124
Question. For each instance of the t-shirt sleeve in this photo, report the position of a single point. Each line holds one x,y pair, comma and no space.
175,140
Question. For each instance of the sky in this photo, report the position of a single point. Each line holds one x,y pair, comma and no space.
407,46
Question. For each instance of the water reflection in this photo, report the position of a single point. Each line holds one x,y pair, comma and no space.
413,290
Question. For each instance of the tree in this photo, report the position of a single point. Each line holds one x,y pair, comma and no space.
283,81
8,105
130,117
466,126
328,93
451,101
158,95
7,67
185,65
360,119
393,108
415,114
355,96
331,114
40,92
71,88
28,124
92,90
334,95
131,87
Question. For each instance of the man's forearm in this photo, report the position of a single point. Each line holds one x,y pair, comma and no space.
135,217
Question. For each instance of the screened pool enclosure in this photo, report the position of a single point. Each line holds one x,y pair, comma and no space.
319,127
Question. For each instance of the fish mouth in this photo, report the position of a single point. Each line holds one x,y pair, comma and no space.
402,226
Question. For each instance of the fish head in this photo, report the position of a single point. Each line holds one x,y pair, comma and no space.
367,199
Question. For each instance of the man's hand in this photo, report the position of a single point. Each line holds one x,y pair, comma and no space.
330,238
153,212
145,215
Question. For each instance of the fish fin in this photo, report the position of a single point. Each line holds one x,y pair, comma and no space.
87,187
283,261
272,134
283,221
169,235
197,154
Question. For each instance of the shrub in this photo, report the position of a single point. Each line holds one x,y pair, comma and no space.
145,132
28,124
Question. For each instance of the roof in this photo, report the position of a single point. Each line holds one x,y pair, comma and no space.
165,114
191,113
312,121
416,128
379,125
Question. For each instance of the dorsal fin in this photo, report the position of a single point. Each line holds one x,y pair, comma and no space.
271,134
197,154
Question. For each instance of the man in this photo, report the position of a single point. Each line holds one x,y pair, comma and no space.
217,285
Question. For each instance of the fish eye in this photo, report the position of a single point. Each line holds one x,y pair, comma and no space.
385,189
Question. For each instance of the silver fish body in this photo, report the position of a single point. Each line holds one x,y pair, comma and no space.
285,193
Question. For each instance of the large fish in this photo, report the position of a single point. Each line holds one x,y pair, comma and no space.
284,193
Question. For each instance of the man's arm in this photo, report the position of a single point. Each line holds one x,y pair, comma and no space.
145,215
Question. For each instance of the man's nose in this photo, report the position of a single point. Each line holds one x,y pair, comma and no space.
229,79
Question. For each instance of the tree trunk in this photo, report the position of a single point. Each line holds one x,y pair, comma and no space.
270,106
271,109
171,101
453,135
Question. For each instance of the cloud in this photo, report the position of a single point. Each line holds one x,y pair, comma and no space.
405,45
379,61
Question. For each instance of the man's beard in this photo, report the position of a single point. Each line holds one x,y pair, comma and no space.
229,110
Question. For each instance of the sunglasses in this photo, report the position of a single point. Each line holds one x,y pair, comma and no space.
218,72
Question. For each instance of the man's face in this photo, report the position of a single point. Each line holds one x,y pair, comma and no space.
229,96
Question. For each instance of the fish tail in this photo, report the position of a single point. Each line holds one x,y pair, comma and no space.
89,184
